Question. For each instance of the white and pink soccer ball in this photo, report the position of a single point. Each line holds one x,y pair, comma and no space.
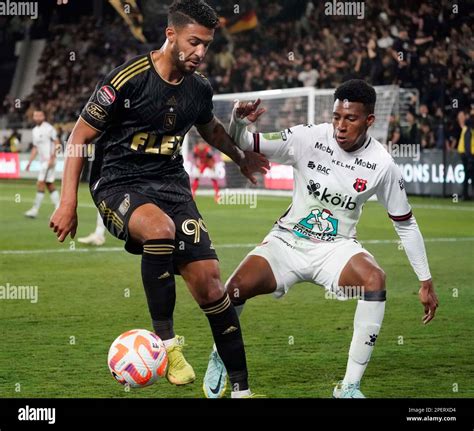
137,358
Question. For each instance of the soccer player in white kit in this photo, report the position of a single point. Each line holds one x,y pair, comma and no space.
45,144
337,167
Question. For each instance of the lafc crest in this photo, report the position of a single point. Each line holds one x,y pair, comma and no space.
170,121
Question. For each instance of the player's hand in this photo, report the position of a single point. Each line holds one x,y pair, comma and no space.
28,167
51,164
253,163
249,110
64,222
429,300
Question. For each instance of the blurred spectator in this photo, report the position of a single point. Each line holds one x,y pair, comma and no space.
466,150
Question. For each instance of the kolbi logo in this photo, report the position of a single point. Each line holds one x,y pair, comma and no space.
335,199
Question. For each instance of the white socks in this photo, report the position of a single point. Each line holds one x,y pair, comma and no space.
100,228
367,322
38,200
55,198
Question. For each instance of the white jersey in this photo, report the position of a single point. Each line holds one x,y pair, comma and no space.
44,136
331,185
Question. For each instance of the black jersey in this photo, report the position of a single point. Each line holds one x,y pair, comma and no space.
144,119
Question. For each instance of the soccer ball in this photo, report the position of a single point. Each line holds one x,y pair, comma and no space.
137,358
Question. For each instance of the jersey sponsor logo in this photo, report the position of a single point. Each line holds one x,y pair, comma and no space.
335,199
343,165
168,146
106,95
365,164
325,148
323,169
318,225
96,112
170,121
320,168
360,185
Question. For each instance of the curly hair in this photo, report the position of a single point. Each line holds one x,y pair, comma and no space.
357,90
183,12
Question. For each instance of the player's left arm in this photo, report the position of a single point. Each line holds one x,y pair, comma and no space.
391,193
249,162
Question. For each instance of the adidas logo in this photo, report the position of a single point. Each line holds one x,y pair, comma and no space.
229,330
171,101
164,275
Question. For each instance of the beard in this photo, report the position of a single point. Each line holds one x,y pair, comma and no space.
179,63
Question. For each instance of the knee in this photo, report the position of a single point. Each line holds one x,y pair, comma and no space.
41,186
236,288
208,287
159,231
375,279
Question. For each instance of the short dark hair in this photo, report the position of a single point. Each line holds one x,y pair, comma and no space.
183,12
357,90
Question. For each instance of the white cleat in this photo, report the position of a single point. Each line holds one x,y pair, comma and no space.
32,213
92,239
351,390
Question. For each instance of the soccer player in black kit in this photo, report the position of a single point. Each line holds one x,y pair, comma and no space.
140,113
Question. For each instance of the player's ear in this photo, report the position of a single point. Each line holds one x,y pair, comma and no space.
170,34
370,120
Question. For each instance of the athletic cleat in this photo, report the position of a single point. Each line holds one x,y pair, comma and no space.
32,213
179,371
92,239
351,390
246,394
215,380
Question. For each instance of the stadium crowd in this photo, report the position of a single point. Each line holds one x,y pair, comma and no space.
424,45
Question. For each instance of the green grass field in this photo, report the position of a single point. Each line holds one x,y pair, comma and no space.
296,346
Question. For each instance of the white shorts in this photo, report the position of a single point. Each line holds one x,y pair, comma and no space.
46,175
295,260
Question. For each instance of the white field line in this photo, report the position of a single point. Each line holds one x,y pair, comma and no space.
245,245
452,207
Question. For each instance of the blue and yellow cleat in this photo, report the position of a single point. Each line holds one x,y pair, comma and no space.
351,390
215,380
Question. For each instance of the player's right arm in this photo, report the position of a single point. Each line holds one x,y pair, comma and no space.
34,152
280,147
98,113
64,219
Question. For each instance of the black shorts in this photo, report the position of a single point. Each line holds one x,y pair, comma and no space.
192,241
